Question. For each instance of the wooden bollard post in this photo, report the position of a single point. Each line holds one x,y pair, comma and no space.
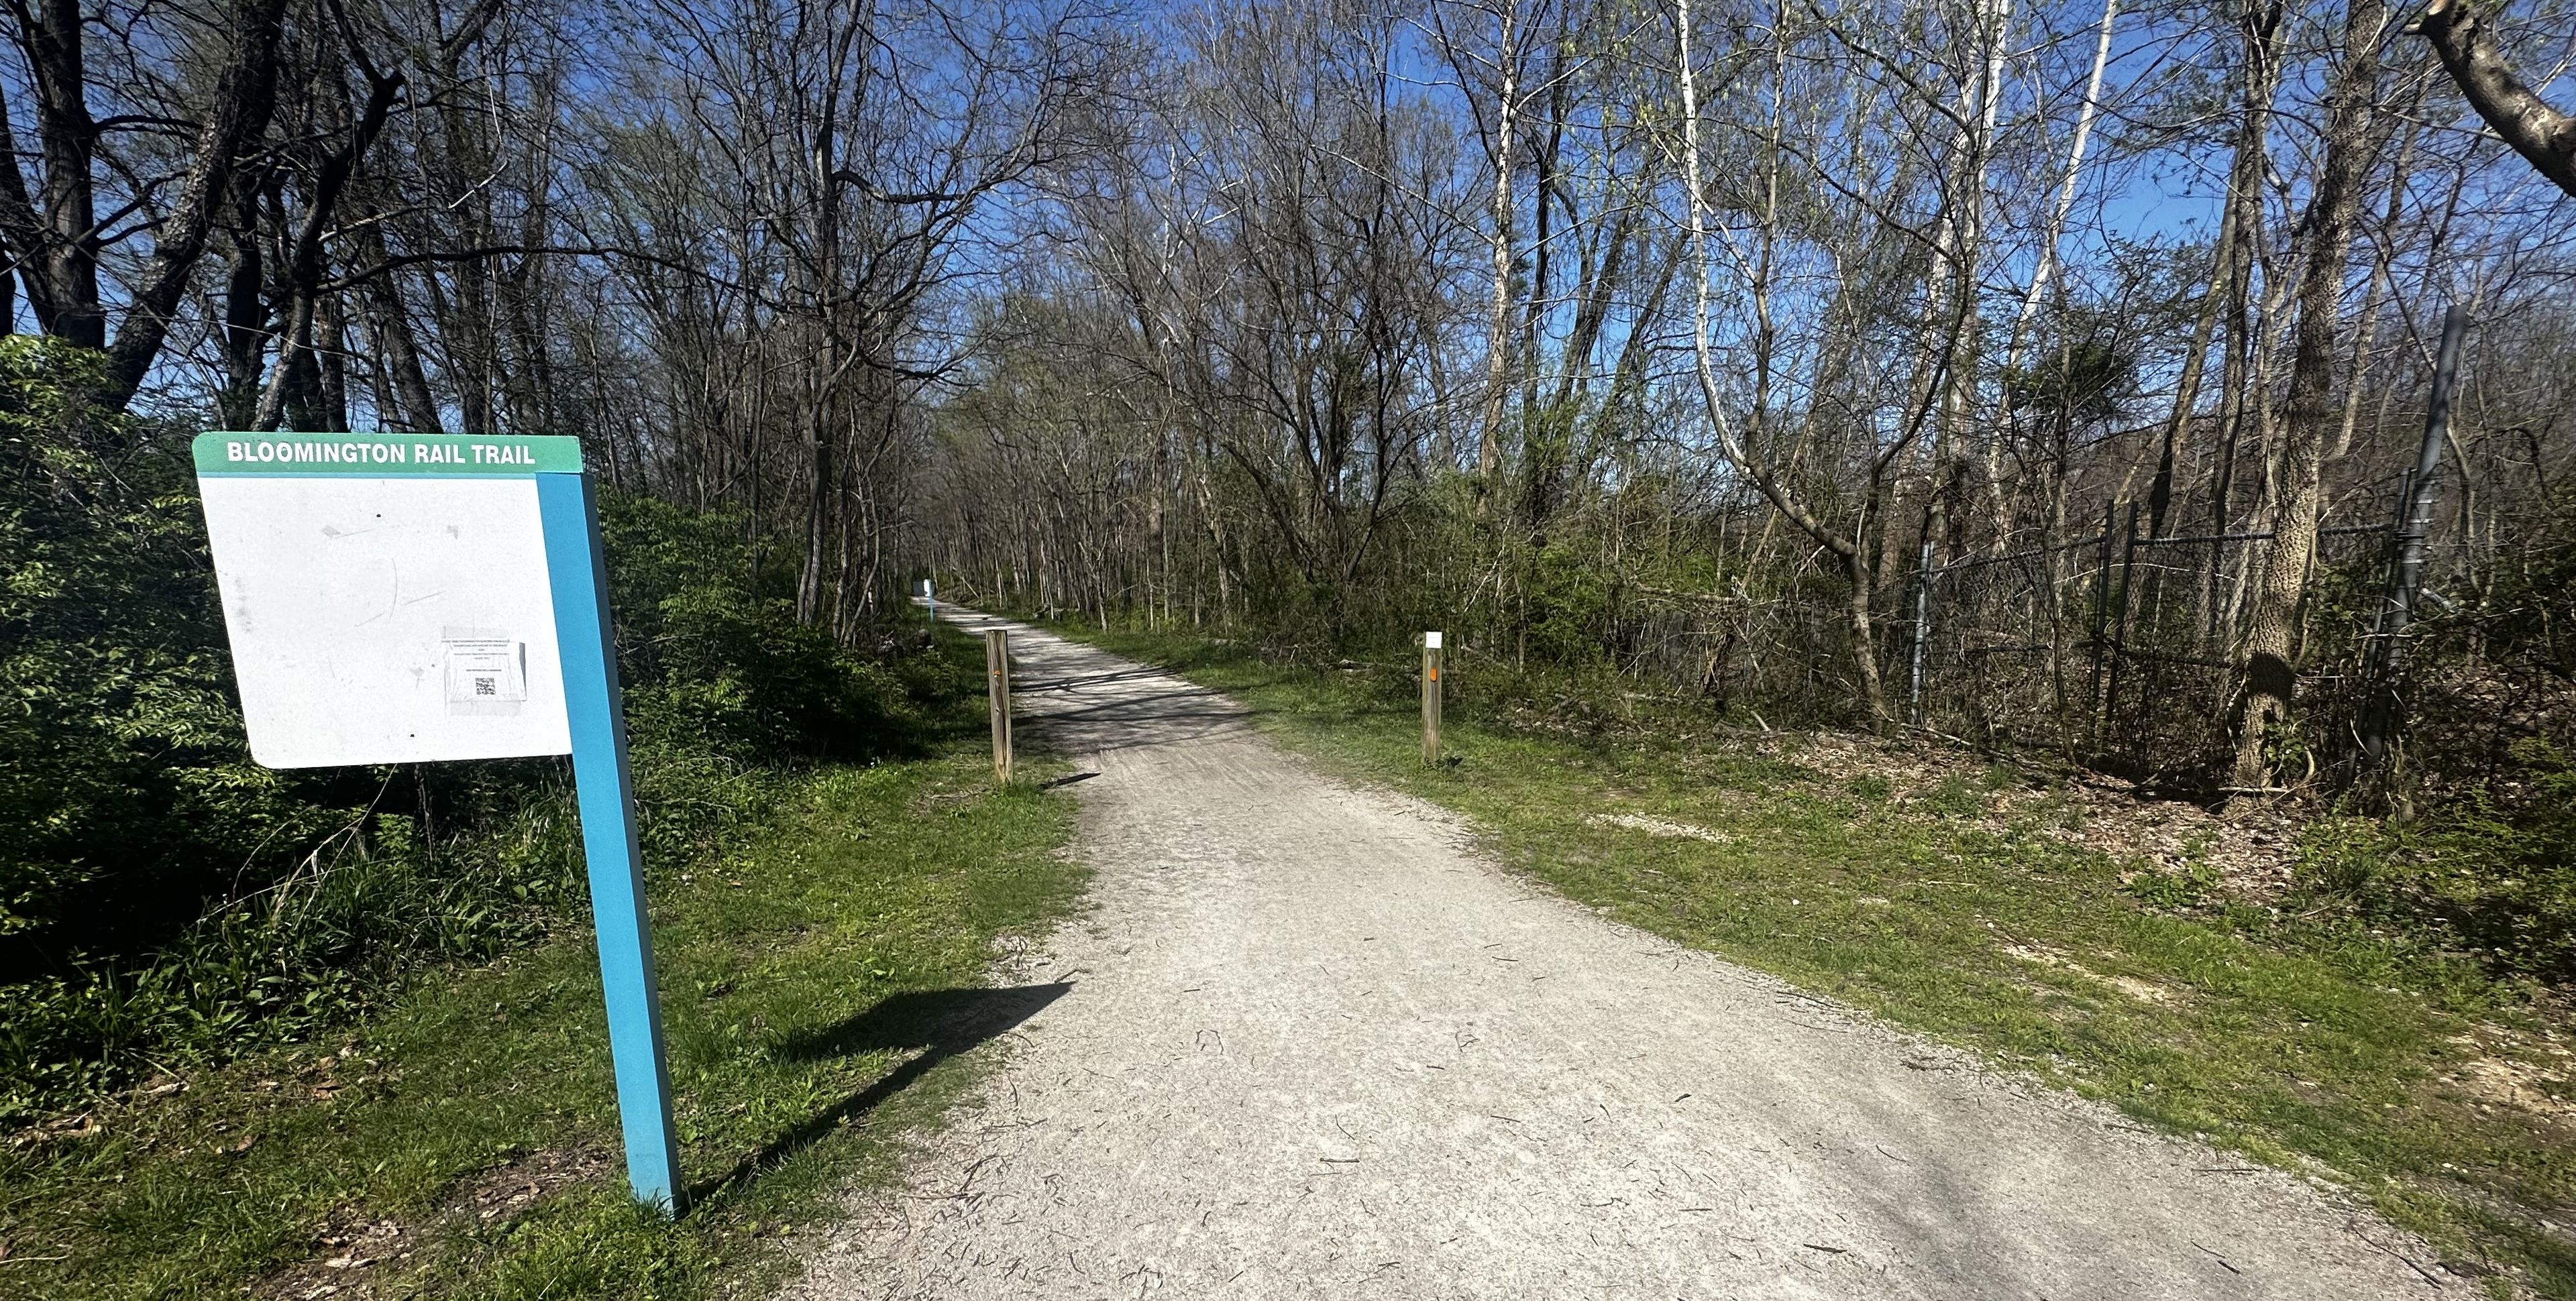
997,668
1431,697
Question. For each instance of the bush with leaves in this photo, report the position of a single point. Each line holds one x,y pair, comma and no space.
165,900
2491,874
125,787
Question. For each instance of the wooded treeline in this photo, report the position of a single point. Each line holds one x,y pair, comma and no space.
719,243
1683,340
1679,339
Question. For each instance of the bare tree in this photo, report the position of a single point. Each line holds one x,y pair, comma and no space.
2351,137
58,232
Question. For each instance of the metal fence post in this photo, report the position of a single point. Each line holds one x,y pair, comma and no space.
2101,613
2414,526
2120,619
1922,625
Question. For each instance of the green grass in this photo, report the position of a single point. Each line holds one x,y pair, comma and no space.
817,987
2310,1044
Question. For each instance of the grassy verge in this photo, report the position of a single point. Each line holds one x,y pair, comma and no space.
819,981
2308,1042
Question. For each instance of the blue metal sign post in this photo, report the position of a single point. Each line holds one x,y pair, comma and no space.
597,713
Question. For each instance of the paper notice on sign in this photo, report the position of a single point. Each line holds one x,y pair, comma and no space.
487,672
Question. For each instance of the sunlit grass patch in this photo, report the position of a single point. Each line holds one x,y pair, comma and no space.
464,1142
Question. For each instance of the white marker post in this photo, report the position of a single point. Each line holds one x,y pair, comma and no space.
410,598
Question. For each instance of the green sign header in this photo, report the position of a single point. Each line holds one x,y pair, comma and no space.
379,456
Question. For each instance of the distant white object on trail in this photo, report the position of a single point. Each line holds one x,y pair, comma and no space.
387,595
1431,641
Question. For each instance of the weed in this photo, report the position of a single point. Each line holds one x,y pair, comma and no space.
1955,797
2177,889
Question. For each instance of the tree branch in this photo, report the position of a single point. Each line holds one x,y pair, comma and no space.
2545,137
245,96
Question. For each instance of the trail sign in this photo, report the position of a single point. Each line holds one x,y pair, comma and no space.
404,598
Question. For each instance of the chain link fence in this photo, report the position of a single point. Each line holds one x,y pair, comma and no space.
2124,648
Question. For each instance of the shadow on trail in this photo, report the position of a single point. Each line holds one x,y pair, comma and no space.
1089,680
941,1023
1146,707
1132,721
1078,699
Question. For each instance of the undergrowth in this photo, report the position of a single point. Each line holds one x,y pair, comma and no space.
166,903
823,980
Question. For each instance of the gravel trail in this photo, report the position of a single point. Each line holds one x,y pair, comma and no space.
1314,1045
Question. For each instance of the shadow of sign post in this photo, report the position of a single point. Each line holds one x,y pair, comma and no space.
935,1025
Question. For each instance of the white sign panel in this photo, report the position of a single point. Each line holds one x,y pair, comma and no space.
385,611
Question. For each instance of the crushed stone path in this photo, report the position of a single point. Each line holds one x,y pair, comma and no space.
1315,1045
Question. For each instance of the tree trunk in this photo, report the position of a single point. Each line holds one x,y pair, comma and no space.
2194,359
389,326
245,96
2270,673
1489,444
1765,476
245,307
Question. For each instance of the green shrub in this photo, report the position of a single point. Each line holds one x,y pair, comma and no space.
714,658
126,793
306,949
2185,887
2492,878
164,900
